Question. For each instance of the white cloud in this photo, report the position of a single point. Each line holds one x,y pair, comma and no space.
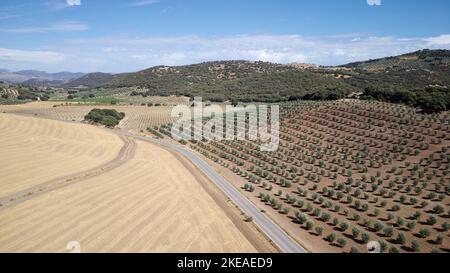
124,54
28,56
59,5
73,2
145,2
66,26
440,40
374,2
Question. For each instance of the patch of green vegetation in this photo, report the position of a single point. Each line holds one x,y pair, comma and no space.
94,100
16,94
108,117
430,99
233,81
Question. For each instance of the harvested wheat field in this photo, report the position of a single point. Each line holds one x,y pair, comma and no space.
136,117
141,199
34,151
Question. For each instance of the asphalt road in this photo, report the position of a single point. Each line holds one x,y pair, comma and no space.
270,228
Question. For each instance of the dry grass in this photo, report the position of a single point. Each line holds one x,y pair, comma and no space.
152,203
37,150
136,117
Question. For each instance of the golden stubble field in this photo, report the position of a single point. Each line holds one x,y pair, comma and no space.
110,194
136,117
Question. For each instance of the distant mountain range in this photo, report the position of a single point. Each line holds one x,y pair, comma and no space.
38,78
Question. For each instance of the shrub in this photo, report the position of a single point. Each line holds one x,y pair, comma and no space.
335,221
342,242
388,231
319,230
366,222
354,250
365,237
393,250
431,221
331,238
411,225
438,209
301,218
439,239
325,217
401,238
378,226
108,117
344,226
383,245
424,233
415,245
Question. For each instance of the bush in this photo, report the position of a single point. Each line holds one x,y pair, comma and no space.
438,209
445,226
330,238
365,238
393,250
411,225
415,245
355,232
378,226
439,239
383,245
344,226
319,230
354,250
424,233
342,242
388,231
401,238
431,221
325,217
108,117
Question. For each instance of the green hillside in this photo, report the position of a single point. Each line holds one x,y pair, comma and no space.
90,80
232,80
419,79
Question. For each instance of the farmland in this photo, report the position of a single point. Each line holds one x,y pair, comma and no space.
136,117
64,182
346,173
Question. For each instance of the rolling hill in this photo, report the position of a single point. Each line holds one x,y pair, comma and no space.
225,80
232,78
418,69
90,80
417,79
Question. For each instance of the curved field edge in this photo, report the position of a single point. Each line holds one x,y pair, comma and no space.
149,204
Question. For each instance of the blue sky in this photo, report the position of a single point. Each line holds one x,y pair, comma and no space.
129,35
